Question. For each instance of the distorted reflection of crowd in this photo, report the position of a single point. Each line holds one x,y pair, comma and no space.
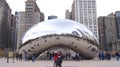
106,55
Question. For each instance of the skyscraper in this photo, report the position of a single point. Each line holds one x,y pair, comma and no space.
84,11
31,16
33,13
20,18
107,31
68,14
117,15
5,21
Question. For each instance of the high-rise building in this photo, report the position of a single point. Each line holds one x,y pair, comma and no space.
33,13
12,43
5,21
27,19
84,11
68,14
20,16
117,15
73,10
107,31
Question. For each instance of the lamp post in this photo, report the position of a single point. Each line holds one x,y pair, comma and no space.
7,54
13,52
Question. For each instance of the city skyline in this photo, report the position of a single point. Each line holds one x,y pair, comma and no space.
58,7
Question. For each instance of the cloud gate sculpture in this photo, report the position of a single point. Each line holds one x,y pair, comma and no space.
60,32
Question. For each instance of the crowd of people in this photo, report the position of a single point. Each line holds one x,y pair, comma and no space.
108,55
67,56
58,56
19,56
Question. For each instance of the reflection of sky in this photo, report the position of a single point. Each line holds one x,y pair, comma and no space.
56,26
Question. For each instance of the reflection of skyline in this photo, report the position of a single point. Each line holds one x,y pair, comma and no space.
57,28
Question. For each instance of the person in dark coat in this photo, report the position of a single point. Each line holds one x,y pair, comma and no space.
17,56
117,56
33,57
59,61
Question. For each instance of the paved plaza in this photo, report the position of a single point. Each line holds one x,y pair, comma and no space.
43,63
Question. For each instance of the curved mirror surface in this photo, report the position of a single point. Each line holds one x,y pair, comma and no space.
58,26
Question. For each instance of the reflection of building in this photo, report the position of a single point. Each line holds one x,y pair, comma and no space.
52,17
107,31
84,11
31,16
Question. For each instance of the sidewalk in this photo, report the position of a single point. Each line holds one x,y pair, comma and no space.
43,63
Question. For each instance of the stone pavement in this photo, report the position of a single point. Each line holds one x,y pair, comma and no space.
43,63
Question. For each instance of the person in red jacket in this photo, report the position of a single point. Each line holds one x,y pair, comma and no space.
55,58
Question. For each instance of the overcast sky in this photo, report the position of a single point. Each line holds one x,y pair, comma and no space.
58,7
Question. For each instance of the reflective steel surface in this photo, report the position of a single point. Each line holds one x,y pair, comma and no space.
59,26
60,32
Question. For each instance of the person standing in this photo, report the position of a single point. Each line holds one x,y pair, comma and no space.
20,56
59,61
33,57
117,56
17,56
55,58
26,56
